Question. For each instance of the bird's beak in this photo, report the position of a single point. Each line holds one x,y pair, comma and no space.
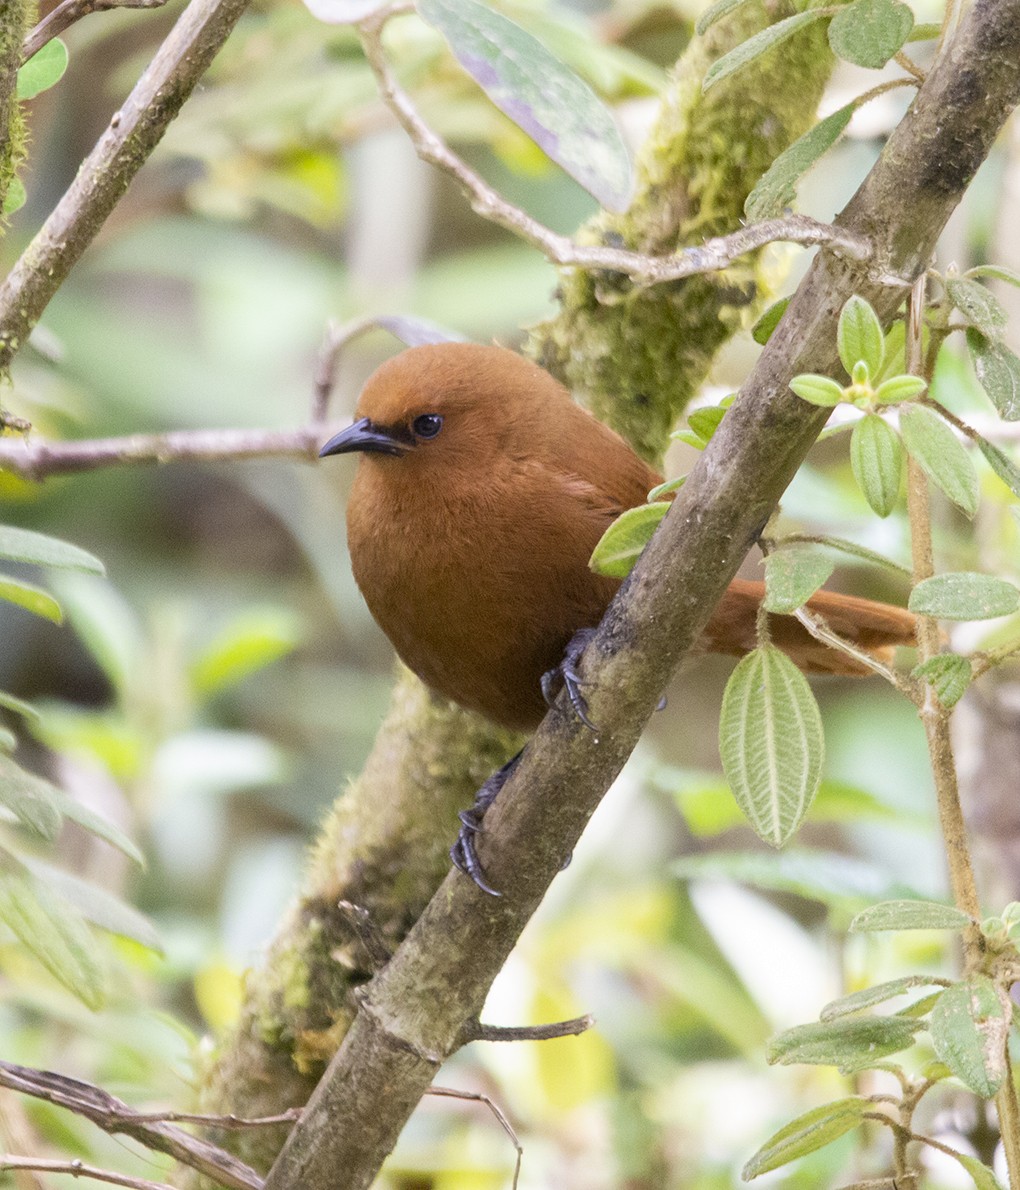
363,435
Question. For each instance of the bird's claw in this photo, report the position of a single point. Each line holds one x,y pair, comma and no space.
464,853
566,674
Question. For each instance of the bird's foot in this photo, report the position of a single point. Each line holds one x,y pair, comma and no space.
463,852
566,674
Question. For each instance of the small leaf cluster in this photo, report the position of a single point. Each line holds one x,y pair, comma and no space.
868,33
967,1023
42,71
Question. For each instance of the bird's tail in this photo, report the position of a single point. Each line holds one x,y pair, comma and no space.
876,628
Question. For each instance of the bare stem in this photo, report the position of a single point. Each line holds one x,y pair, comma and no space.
716,253
78,1169
68,13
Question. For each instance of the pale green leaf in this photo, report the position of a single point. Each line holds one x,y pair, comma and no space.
667,488
705,421
771,742
817,390
98,906
250,642
31,799
926,31
968,1030
622,543
1001,464
18,706
964,596
762,330
948,674
107,626
25,545
849,1043
792,576
777,187
895,353
42,70
998,372
32,598
879,994
720,9
856,551
53,930
982,1177
942,456
869,32
757,45
807,1133
8,741
15,198
876,457
909,915
998,271
96,825
899,388
859,335
540,93
978,306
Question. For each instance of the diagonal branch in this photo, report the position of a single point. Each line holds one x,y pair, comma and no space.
412,1014
106,173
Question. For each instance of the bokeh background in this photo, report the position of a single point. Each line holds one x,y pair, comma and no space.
215,691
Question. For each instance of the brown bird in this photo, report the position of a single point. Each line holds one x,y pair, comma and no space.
481,491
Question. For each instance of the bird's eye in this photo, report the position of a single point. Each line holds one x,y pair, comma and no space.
427,425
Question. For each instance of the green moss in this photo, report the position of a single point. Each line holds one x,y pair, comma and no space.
638,355
16,17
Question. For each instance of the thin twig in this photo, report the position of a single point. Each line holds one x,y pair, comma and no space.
478,1097
133,133
231,1122
716,253
910,66
113,1115
37,458
549,1032
78,1169
68,13
368,933
821,631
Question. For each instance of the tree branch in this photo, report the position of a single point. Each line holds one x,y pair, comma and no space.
133,133
413,1013
78,1169
68,13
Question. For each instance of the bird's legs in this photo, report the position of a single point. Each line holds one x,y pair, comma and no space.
566,673
463,852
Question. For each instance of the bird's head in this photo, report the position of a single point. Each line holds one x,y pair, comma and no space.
455,404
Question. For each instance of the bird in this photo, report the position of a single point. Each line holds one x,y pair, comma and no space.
481,490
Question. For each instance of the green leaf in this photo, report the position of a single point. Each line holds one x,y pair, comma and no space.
869,32
859,336
968,1030
998,373
666,489
31,598
98,906
776,188
31,799
817,390
849,1043
998,271
762,330
42,70
807,1133
944,459
895,353
24,545
949,675
96,825
622,543
978,306
857,551
1001,464
720,9
250,642
53,931
540,93
15,198
899,388
771,742
876,457
982,1177
909,915
8,740
107,626
926,31
964,596
879,994
757,45
24,709
792,576
704,422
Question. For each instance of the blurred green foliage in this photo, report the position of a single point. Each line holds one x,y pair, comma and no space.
204,701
